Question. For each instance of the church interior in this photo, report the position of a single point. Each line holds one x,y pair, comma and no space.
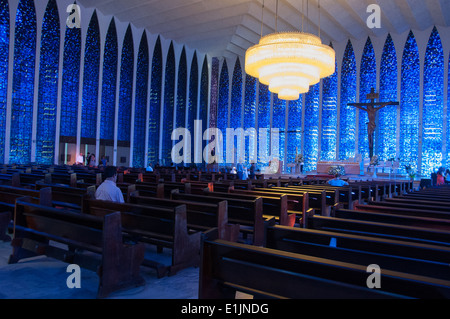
303,142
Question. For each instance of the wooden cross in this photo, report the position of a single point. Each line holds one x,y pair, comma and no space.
371,108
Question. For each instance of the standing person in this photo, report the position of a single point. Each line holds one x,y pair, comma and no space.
88,158
440,177
108,190
92,160
252,171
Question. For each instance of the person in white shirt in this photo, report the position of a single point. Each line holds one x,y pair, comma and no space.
108,190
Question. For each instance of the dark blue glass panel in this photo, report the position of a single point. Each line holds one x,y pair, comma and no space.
236,105
410,104
250,119
367,82
387,117
193,99
311,149
294,134
169,104
433,105
263,125
140,115
278,122
222,108
204,92
91,80
181,91
109,84
4,69
126,88
347,125
329,117
155,104
23,83
70,82
48,86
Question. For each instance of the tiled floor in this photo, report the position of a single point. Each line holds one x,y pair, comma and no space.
45,278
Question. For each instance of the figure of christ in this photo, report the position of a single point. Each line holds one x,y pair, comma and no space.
372,108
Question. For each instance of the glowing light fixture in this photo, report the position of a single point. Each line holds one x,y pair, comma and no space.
290,62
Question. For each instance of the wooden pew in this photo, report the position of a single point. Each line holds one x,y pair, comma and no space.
426,212
230,267
378,229
37,226
247,213
418,259
397,219
163,227
274,204
200,216
320,200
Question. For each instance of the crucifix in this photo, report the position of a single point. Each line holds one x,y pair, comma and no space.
371,108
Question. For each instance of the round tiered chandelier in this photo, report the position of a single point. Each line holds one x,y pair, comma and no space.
290,62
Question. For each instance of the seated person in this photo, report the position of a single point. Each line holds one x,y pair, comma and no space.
108,190
336,181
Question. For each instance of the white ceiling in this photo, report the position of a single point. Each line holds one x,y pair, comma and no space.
226,28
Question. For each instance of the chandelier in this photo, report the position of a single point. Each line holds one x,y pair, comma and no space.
290,62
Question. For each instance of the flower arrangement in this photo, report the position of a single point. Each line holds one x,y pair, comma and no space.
410,171
374,161
337,170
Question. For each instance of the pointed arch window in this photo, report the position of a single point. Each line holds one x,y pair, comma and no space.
169,104
347,124
140,115
387,117
4,70
155,104
109,86
91,82
126,89
433,105
23,83
410,104
329,117
312,105
368,80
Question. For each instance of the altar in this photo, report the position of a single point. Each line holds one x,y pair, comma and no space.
353,168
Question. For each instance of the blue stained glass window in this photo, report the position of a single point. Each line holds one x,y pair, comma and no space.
48,86
236,96
204,92
387,117
236,105
193,99
294,134
311,149
193,94
347,113
140,115
169,104
126,87
91,80
109,84
410,104
329,117
250,118
222,109
23,83
263,125
278,122
368,81
433,104
181,91
4,69
70,82
155,104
